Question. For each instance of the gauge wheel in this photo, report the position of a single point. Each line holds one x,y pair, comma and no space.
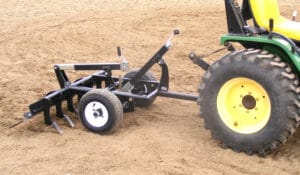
100,111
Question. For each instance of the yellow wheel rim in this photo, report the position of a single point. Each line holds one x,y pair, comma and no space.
244,105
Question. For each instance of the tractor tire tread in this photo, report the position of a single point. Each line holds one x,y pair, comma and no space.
286,78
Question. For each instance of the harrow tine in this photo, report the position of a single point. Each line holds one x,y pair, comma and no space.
68,120
27,115
63,116
57,127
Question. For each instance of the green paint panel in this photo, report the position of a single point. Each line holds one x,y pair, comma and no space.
276,46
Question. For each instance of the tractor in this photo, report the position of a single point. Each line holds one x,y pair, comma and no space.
249,98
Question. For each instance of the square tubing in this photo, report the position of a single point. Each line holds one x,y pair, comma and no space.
177,95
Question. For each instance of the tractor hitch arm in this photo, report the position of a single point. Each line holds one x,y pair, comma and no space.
199,61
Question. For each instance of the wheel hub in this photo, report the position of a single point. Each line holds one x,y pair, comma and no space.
249,102
140,88
96,113
243,105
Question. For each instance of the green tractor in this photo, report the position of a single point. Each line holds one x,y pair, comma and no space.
249,99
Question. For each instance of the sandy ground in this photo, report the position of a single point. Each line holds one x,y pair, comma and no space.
166,138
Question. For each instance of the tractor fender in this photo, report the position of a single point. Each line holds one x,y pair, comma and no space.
276,46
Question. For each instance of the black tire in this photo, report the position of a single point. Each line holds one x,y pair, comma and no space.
279,83
100,103
142,88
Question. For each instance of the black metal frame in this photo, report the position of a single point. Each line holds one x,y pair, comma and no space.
235,20
103,79
237,17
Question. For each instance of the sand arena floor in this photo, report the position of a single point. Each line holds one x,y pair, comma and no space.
166,138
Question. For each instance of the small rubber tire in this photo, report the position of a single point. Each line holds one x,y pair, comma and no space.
100,111
142,88
269,74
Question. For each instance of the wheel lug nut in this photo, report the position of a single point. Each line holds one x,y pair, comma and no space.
235,124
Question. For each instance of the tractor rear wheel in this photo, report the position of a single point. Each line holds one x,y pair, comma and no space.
248,100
